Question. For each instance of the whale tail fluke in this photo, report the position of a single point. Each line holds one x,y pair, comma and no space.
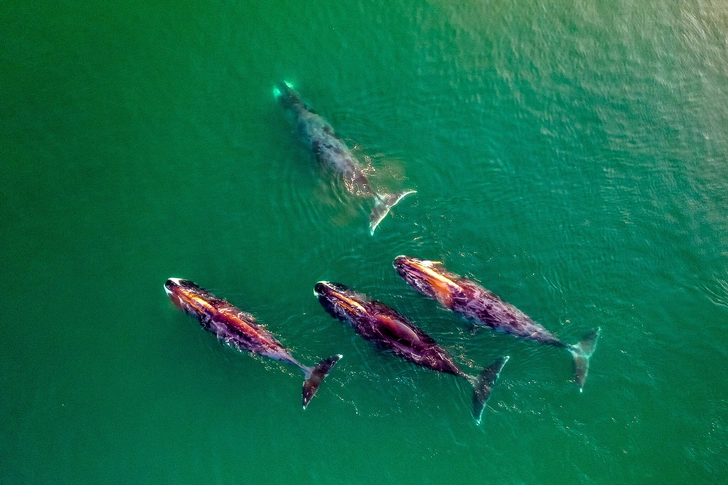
483,384
383,203
581,353
315,376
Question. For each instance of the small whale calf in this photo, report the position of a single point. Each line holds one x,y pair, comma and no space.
333,154
240,330
391,331
471,300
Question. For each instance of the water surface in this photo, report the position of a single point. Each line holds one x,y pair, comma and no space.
570,156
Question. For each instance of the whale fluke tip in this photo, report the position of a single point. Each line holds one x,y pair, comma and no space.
581,353
483,385
311,385
382,205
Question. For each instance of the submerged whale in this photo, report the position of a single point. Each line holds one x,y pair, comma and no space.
471,300
389,330
333,154
240,330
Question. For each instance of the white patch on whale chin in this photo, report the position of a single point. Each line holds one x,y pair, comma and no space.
316,293
175,281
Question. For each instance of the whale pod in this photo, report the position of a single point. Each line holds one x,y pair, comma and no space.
474,302
240,330
391,331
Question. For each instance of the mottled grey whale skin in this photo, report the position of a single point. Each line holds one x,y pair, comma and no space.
389,330
240,330
474,302
333,154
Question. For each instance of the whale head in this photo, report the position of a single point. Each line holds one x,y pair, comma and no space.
428,277
189,297
340,301
286,95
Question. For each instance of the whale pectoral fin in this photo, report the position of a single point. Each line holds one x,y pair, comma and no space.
484,384
312,383
382,205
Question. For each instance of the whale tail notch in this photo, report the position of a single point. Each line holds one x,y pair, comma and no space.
483,384
581,353
315,376
383,203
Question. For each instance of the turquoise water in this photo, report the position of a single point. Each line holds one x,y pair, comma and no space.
570,156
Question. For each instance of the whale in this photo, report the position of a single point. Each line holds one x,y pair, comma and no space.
391,331
467,298
241,331
333,155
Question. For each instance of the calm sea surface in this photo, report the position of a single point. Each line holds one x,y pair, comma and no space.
571,156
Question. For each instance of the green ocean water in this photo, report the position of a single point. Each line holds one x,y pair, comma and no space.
571,156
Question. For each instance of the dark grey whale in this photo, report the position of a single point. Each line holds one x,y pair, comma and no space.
471,300
333,154
391,331
240,330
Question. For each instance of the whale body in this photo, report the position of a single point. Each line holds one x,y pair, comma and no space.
240,330
474,302
391,331
333,154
